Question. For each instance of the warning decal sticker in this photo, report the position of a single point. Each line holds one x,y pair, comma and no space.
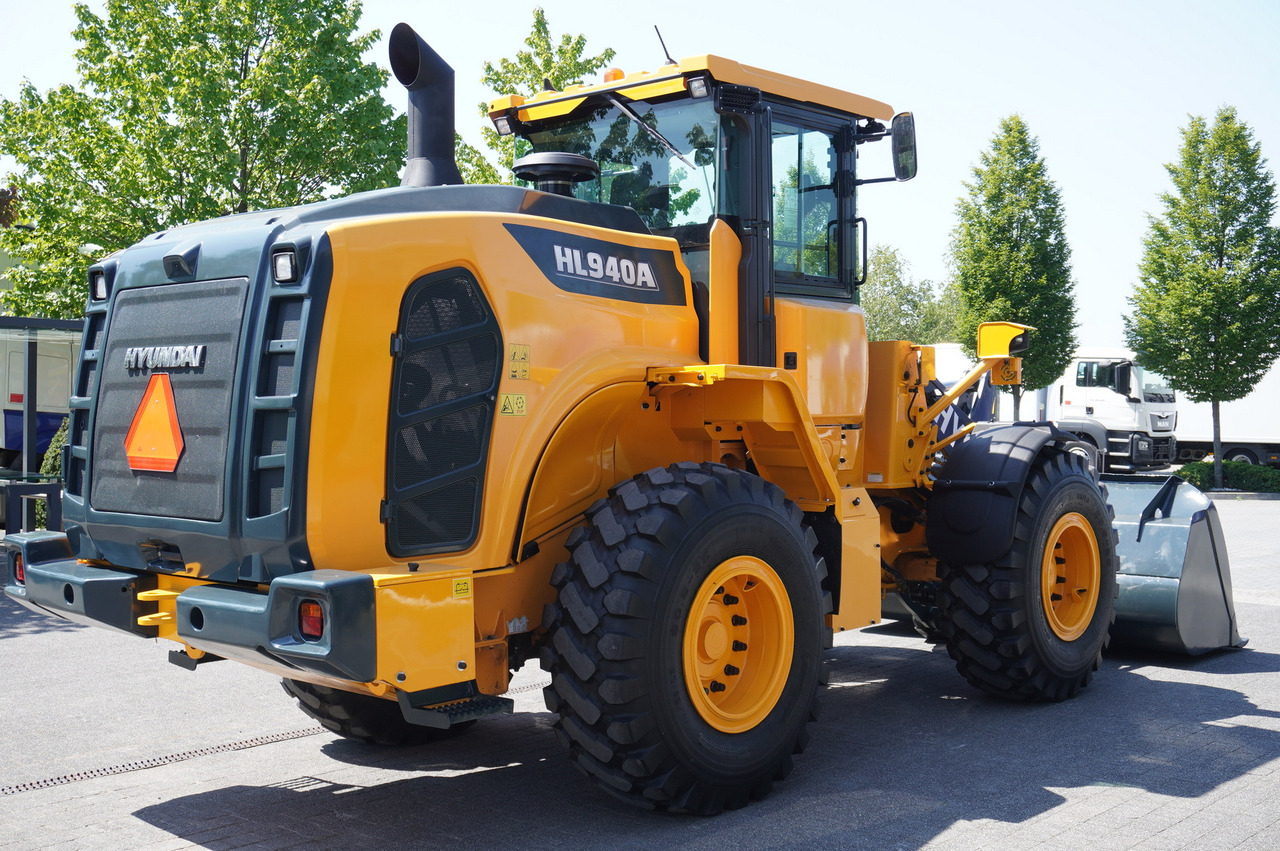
511,405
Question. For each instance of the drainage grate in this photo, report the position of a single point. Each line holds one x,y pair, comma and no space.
537,686
157,761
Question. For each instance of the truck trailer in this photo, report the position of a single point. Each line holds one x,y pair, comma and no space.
1250,426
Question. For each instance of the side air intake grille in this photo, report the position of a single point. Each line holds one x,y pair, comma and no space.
737,99
273,404
449,359
82,400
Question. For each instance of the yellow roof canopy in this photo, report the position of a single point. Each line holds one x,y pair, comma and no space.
670,79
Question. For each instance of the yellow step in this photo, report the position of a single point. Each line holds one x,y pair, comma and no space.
157,594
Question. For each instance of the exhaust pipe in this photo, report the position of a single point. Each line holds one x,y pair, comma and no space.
429,80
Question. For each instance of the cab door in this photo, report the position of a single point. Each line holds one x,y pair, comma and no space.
797,224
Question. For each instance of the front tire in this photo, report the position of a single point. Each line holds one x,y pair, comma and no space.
686,639
1032,625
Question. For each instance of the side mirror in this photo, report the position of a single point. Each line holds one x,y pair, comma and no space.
1002,339
1124,379
904,146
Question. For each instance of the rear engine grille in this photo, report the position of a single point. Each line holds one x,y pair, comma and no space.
208,314
443,391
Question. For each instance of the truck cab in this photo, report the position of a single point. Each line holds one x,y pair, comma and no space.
1109,399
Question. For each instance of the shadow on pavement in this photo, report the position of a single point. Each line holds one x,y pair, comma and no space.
905,749
16,619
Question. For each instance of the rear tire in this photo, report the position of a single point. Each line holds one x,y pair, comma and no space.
1240,456
361,717
1032,625
686,639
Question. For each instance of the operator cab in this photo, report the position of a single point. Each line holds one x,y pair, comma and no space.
708,139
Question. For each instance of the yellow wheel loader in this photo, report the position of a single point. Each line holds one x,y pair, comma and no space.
392,446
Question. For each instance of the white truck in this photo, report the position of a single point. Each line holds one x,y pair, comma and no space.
1250,426
1103,397
1106,399
57,352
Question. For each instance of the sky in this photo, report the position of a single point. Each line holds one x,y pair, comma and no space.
1104,85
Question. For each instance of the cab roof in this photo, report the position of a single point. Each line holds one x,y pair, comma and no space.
671,79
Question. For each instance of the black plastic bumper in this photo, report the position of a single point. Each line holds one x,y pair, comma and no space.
227,621
1145,449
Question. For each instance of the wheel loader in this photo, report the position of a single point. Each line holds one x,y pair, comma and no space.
624,419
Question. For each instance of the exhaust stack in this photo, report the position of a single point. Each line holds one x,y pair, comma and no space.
429,80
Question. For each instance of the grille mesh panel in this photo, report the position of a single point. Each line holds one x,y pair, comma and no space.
447,305
444,386
87,371
274,438
439,446
442,515
279,372
443,374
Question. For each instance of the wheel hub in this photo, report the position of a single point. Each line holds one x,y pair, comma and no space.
1070,576
738,643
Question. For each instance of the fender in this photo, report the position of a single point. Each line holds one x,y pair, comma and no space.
975,498
1091,430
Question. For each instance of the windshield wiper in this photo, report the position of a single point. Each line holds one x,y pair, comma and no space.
658,137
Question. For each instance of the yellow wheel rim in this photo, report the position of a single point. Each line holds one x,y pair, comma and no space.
1070,574
738,642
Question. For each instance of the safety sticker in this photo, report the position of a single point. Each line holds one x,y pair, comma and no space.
461,588
518,361
511,405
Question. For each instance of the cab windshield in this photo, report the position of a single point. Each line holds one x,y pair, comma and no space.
674,194
1155,387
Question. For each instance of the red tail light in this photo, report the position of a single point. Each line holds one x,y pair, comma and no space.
311,620
19,571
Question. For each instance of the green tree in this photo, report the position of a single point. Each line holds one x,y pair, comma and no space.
1012,261
8,207
186,110
898,307
560,63
1205,308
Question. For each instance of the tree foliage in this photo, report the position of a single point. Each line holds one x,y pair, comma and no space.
186,110
1012,261
898,307
1205,308
8,206
558,62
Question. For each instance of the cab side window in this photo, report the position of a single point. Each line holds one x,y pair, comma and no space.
806,211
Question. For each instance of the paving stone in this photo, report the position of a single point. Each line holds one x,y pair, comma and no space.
1159,753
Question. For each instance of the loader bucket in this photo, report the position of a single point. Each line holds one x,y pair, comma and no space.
1174,581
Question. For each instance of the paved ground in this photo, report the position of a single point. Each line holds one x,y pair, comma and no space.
109,746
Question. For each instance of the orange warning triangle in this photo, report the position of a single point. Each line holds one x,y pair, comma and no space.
155,441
